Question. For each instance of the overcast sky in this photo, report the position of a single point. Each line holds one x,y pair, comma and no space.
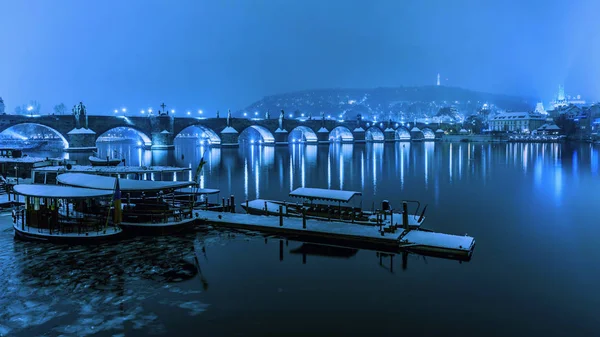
222,54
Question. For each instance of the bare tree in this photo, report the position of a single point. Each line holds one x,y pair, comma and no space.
60,109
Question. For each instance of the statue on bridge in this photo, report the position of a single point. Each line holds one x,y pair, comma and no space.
358,119
267,115
310,116
322,118
229,117
281,120
217,113
79,111
390,123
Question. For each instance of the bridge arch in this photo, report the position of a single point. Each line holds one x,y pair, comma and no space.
428,134
303,134
402,134
205,134
341,134
374,134
256,134
146,140
7,129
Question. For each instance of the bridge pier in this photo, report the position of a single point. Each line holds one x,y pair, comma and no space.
281,137
389,135
230,137
163,140
359,135
81,140
323,135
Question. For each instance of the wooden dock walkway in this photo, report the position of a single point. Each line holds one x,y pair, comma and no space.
389,238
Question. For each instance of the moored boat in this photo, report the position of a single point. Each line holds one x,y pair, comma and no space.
326,210
63,214
149,207
95,161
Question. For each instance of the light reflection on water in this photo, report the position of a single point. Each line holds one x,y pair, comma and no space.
520,201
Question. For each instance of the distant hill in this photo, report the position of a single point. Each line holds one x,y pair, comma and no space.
407,102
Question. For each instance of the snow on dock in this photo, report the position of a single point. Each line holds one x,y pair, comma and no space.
342,231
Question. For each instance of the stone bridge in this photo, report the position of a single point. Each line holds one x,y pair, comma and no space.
159,132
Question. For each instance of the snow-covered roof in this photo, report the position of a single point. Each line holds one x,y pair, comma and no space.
415,129
111,169
54,191
463,131
81,131
359,129
165,132
108,183
439,131
280,131
324,194
229,129
322,129
198,191
552,127
517,116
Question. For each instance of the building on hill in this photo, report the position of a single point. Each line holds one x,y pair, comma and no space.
562,99
521,122
1,106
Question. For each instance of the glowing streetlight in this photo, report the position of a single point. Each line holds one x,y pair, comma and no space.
173,111
30,109
255,113
116,111
149,110
245,114
124,110
143,111
189,113
200,112
291,115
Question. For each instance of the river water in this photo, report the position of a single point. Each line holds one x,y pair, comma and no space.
533,209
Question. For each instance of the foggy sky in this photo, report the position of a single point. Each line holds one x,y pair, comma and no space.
221,54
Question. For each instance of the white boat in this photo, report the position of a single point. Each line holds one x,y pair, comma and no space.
149,207
95,161
63,214
329,211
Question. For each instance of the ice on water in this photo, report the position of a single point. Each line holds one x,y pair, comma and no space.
85,290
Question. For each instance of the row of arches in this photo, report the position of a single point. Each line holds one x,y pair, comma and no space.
253,134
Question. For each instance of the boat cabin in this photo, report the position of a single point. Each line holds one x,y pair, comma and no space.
62,213
143,201
311,195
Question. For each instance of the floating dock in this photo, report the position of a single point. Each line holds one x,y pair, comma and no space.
386,238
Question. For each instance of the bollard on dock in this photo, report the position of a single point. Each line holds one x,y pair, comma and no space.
405,215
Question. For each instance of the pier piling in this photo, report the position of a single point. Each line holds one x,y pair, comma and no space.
247,208
232,203
280,215
266,209
304,218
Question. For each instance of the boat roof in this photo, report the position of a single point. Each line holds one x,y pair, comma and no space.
198,191
108,183
113,169
56,191
324,194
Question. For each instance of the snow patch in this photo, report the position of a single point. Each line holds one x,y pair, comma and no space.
229,129
81,131
359,129
322,129
281,131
